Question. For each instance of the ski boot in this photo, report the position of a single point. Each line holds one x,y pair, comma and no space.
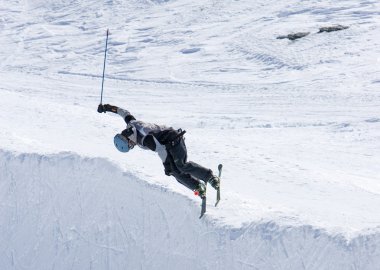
214,181
200,190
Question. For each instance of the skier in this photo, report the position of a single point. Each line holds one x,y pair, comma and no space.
170,146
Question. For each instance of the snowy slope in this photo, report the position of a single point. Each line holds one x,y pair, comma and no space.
296,125
126,223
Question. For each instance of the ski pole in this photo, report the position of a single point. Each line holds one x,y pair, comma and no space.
104,68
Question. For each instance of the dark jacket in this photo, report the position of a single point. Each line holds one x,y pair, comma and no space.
147,135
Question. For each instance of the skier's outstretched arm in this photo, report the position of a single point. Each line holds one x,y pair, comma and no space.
127,116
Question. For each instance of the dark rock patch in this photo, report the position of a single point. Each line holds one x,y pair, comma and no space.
294,36
332,28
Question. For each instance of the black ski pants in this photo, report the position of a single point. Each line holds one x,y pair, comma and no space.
186,172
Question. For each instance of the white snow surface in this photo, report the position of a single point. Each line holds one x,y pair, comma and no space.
295,123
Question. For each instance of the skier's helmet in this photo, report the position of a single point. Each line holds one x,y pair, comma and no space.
121,143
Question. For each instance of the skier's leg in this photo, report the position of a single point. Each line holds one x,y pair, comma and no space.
183,178
179,154
187,180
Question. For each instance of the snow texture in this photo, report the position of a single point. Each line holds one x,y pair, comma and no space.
295,123
87,213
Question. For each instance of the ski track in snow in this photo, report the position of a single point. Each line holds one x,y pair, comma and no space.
295,123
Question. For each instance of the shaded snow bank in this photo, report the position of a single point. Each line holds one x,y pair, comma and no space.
65,211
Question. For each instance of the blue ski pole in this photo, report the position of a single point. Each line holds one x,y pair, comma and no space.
104,68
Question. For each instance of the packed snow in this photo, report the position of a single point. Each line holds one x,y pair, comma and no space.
295,123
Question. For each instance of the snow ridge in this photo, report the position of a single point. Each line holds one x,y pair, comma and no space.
66,211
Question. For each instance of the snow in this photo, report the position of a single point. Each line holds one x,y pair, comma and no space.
295,123
65,210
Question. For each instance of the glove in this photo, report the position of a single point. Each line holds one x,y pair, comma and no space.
101,108
110,108
107,108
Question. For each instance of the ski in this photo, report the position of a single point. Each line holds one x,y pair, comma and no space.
203,207
220,167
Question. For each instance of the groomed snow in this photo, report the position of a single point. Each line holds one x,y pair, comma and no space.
67,211
296,125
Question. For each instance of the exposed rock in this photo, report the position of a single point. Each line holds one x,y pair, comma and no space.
294,36
332,28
